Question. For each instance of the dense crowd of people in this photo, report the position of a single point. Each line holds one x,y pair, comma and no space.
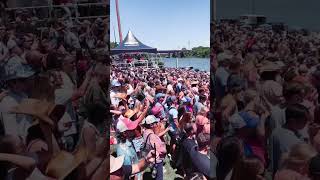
54,98
163,113
266,103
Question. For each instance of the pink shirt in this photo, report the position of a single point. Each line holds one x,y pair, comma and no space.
288,174
154,139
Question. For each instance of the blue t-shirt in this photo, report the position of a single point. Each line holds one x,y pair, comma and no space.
173,114
221,80
127,149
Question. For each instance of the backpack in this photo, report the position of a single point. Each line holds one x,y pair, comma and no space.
146,147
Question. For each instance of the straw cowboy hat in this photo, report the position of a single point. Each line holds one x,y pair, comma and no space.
116,163
269,66
44,110
121,95
130,113
61,165
194,82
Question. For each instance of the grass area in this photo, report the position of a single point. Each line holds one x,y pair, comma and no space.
170,173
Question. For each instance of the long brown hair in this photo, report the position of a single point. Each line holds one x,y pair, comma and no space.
247,168
186,118
42,88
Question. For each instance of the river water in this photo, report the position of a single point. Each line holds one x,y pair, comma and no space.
202,64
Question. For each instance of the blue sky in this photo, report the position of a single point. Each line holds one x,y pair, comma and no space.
164,24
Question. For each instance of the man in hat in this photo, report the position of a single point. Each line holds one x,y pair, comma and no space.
179,85
160,100
126,129
68,37
19,79
115,88
153,141
186,104
119,171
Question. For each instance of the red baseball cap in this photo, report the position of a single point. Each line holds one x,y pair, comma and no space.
125,124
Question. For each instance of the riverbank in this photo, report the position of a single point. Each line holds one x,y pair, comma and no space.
202,64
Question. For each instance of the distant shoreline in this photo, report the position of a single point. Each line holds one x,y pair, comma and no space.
189,58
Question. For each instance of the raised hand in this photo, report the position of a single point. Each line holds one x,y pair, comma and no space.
152,156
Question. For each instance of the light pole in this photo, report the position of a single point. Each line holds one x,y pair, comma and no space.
118,18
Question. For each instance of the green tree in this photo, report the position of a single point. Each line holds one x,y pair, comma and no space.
201,52
113,45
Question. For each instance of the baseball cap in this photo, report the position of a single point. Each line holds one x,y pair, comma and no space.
186,99
156,110
115,83
125,124
171,99
150,120
159,95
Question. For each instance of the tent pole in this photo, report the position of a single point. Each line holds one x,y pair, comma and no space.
118,18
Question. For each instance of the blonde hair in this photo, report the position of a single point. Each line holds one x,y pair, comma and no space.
299,154
250,95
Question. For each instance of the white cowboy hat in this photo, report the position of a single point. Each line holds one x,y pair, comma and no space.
116,163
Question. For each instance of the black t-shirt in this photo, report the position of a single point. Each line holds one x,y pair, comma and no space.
186,159
200,161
